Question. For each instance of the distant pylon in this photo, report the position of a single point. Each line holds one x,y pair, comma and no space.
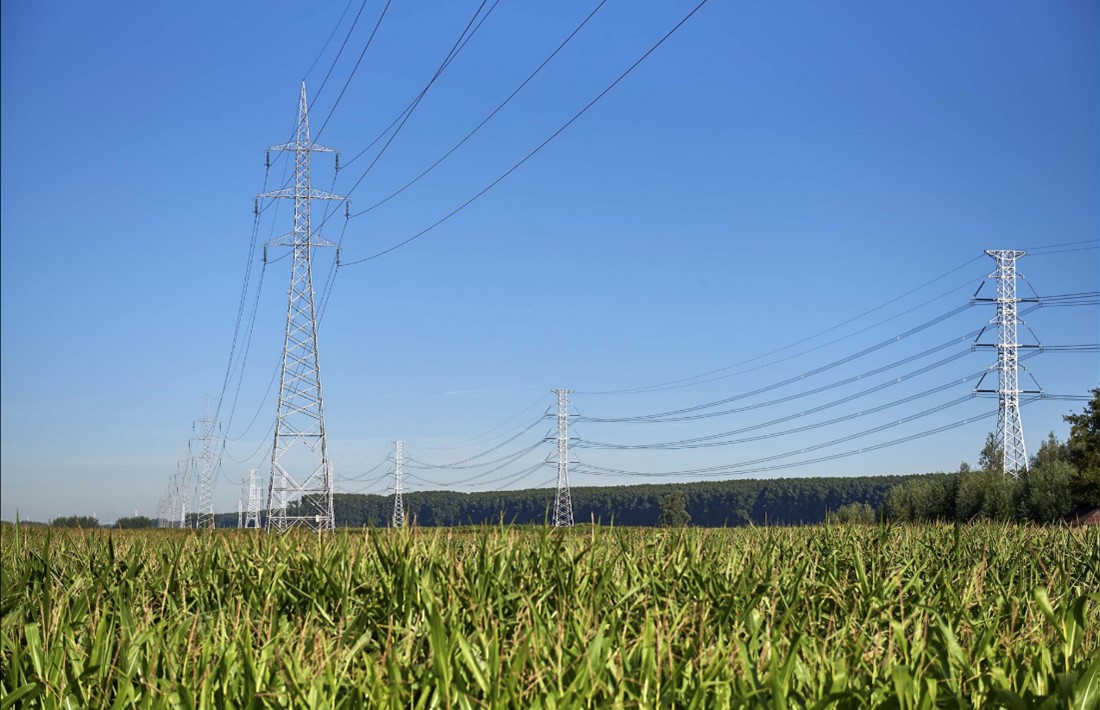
1010,428
301,474
563,502
240,513
398,475
253,495
182,490
202,430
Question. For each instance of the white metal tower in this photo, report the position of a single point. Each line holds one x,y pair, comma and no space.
202,430
182,490
240,513
398,475
252,511
563,503
1010,428
300,489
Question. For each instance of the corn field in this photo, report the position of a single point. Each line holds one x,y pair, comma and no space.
832,616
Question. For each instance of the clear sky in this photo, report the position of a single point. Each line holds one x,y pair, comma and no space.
770,171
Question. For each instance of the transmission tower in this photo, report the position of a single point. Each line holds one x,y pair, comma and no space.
202,430
301,474
182,490
240,513
1010,428
398,475
563,503
252,512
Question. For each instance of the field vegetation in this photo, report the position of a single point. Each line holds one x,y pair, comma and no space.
839,615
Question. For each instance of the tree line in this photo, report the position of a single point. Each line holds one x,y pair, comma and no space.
1063,477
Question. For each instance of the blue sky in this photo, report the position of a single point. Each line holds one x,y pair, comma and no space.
769,172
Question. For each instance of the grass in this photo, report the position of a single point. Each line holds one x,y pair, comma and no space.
841,616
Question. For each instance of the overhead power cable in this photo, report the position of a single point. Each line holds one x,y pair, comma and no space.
965,338
329,40
542,145
417,464
488,118
481,438
749,466
404,116
698,379
710,441
810,373
585,443
355,68
1044,247
600,471
400,120
468,482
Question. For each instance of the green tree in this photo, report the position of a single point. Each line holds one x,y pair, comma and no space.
674,511
1043,491
924,499
136,522
992,457
988,493
75,521
858,513
1083,450
1050,451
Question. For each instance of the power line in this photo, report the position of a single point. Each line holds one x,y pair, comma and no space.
530,155
709,441
806,393
738,468
402,117
329,40
457,47
353,69
475,440
506,457
488,118
696,379
810,373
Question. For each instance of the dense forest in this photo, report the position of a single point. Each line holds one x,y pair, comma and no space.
778,501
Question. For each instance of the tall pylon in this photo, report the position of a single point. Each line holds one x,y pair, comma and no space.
563,502
398,475
202,430
301,474
253,494
1010,428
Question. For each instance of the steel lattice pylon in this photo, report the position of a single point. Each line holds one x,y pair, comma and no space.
300,488
181,493
1010,428
398,494
563,502
203,430
252,511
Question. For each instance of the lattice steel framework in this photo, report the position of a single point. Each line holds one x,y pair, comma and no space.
1010,428
398,475
300,487
563,502
253,496
181,490
205,464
